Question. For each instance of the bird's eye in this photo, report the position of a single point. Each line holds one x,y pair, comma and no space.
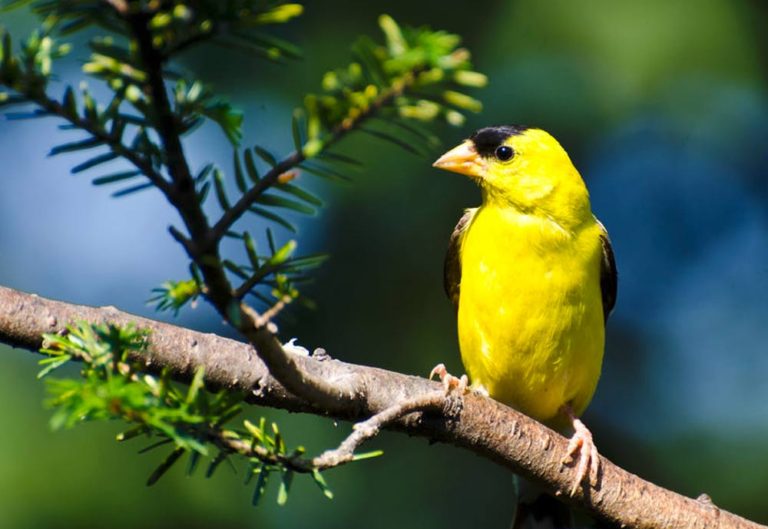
504,153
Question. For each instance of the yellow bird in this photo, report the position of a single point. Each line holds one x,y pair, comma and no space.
532,274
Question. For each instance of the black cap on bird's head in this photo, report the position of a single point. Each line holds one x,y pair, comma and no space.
488,139
470,157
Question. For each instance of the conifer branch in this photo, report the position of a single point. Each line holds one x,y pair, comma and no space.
137,160
295,158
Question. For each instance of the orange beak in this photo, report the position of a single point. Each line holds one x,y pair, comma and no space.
463,160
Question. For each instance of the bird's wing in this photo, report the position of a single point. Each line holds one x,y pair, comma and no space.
609,277
452,265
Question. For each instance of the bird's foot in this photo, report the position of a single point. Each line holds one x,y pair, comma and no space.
588,466
450,382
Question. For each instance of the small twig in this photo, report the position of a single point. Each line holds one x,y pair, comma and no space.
142,164
362,431
229,217
345,452
254,280
271,313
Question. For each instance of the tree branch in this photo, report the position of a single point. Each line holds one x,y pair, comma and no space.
203,246
292,160
482,426
139,162
345,452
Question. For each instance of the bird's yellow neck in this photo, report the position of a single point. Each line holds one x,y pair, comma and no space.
564,201
540,180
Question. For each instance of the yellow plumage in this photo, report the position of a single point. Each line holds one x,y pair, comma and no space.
532,273
530,316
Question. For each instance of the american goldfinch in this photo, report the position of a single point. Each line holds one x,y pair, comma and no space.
532,274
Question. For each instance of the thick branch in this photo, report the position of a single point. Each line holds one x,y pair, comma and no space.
483,426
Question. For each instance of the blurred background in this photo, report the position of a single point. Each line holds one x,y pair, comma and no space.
663,107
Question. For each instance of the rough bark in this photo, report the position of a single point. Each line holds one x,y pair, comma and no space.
481,425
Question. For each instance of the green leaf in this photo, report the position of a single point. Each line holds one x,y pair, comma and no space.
75,25
235,269
307,261
273,217
280,202
218,460
265,155
131,433
202,193
282,255
280,14
196,385
221,194
239,176
395,40
462,101
285,487
250,166
301,193
165,466
194,460
131,190
261,484
117,177
70,102
367,455
317,476
154,445
250,248
93,162
52,363
363,52
204,172
229,120
257,432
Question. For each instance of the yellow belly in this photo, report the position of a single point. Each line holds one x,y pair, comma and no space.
531,328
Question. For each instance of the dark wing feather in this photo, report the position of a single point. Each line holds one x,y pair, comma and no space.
609,277
452,265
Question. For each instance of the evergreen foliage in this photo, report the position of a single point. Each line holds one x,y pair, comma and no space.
414,77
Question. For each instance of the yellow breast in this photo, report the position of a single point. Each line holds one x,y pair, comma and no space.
530,321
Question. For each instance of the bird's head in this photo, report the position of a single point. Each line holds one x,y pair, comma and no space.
521,167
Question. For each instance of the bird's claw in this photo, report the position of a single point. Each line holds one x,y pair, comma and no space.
588,466
450,382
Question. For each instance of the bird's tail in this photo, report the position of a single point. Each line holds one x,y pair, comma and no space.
538,510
